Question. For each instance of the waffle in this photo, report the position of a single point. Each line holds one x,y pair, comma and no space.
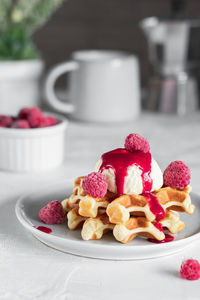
124,233
172,222
64,204
78,193
74,220
169,198
88,205
94,228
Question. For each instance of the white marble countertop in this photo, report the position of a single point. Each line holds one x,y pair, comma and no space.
31,270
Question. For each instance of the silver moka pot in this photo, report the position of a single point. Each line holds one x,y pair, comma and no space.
174,51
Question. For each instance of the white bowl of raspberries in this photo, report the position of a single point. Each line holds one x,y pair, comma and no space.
31,141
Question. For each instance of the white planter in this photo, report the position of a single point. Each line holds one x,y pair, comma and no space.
19,85
32,150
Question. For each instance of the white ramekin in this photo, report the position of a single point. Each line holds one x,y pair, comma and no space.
27,150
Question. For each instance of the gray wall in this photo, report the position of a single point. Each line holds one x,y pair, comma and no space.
102,24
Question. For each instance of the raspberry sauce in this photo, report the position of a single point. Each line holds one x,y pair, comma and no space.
155,206
44,229
168,238
158,226
120,159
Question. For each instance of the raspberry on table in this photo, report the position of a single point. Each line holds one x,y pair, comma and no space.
190,269
5,121
95,185
177,175
135,142
52,213
23,124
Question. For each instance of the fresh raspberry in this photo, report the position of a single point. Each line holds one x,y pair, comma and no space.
52,213
51,120
47,121
177,174
5,121
135,142
190,269
23,113
23,124
95,185
43,122
35,117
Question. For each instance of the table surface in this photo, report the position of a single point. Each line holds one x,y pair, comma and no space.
31,270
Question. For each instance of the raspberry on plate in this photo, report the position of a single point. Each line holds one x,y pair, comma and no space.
135,142
52,213
95,185
177,175
190,269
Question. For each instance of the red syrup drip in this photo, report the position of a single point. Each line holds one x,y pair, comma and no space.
155,206
168,238
44,229
158,226
120,159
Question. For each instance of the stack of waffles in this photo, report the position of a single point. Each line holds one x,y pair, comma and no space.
127,216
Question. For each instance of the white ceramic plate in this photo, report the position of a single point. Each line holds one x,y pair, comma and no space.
61,238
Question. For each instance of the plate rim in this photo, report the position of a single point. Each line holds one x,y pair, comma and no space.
35,231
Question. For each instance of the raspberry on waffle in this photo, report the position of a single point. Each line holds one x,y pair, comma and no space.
126,195
88,205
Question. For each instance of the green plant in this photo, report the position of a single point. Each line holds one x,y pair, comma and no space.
19,19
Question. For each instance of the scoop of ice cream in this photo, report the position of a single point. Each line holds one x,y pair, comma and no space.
133,183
